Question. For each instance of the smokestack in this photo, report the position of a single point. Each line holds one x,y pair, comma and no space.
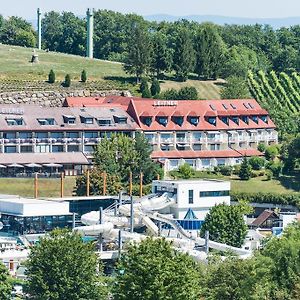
39,26
90,32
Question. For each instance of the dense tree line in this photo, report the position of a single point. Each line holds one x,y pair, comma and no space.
184,47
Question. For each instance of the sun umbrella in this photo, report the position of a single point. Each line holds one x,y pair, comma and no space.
2,166
14,165
53,165
33,165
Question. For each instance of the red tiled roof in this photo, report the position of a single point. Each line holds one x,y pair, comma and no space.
137,107
264,216
178,114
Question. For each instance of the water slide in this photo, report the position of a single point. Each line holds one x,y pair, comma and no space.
145,210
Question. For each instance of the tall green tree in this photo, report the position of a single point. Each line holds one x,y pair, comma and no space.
225,224
139,50
62,267
155,88
144,89
161,55
235,88
245,170
210,50
154,270
5,283
184,54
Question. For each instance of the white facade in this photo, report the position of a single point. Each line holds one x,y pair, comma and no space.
198,195
24,207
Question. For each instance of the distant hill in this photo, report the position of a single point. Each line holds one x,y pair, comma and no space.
221,20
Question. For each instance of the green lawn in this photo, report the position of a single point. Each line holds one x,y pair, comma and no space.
206,89
46,187
15,65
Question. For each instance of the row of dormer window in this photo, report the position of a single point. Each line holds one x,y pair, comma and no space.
69,120
163,120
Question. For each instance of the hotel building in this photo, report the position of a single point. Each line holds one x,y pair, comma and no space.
203,133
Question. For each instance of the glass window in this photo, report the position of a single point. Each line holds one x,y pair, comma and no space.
214,147
254,119
73,135
9,135
26,149
197,147
57,148
41,135
10,149
225,120
89,148
105,134
235,119
17,121
73,148
178,120
146,120
88,120
120,119
25,135
42,148
57,135
91,134
46,121
212,120
264,119
191,196
194,120
104,122
162,120
165,148
245,119
214,194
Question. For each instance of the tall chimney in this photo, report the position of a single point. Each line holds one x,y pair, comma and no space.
90,32
39,26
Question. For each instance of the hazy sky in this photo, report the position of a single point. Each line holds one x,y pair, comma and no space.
236,8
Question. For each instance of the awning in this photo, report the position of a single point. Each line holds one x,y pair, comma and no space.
33,165
15,166
53,165
2,167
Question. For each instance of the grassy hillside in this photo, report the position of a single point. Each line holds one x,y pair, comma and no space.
15,65
206,89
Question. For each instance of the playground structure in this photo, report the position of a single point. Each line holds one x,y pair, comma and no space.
118,222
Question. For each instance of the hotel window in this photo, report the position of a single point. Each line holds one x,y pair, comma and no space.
73,148
41,135
91,134
87,120
165,147
26,149
17,121
264,119
245,119
196,136
197,147
191,196
120,119
104,122
9,135
42,148
57,148
255,119
25,135
214,194
212,120
235,120
214,147
106,134
89,148
225,120
73,135
146,120
162,120
68,119
10,149
178,120
46,121
194,120
57,135
181,148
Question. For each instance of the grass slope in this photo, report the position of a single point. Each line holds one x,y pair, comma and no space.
15,65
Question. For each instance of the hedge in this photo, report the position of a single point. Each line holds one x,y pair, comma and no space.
284,199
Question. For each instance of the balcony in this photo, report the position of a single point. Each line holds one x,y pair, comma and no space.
167,140
182,140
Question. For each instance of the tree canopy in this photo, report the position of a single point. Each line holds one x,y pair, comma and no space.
153,270
61,266
5,283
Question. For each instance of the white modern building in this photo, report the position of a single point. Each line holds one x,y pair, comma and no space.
193,198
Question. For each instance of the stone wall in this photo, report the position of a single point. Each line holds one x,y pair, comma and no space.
52,98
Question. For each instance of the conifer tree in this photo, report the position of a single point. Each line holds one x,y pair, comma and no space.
51,76
83,76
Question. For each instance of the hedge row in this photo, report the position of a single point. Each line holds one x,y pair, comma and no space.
284,199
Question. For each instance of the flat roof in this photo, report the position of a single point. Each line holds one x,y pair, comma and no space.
193,181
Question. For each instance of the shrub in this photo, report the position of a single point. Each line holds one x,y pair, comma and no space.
275,168
261,147
256,162
245,171
271,152
83,76
67,82
185,171
144,89
269,175
51,76
155,88
188,93
226,170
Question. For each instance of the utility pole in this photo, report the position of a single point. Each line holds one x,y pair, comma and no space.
36,185
39,27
